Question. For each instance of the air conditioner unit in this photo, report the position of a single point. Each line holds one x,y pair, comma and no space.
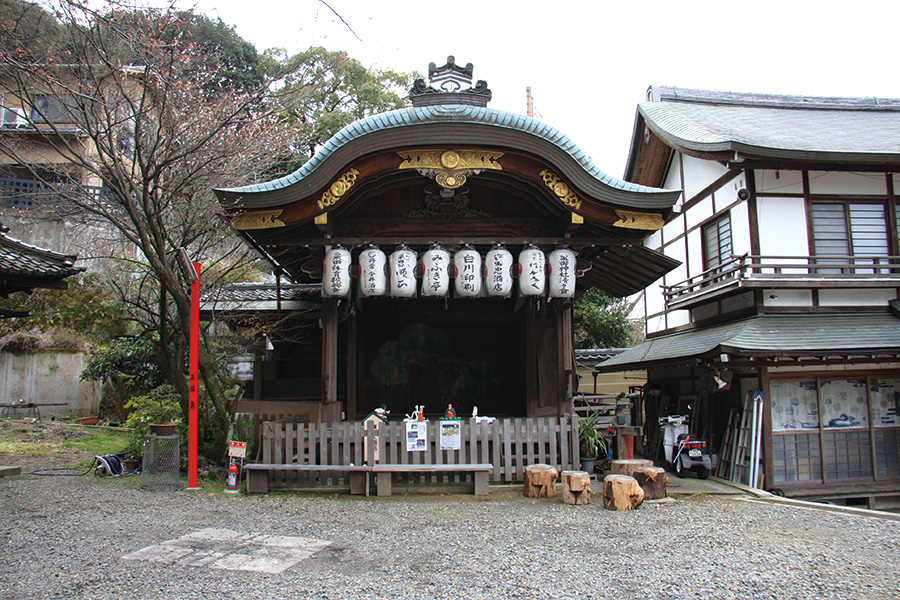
14,118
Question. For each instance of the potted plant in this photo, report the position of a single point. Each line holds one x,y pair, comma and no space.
157,412
593,443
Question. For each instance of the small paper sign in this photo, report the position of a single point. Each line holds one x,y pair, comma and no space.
237,449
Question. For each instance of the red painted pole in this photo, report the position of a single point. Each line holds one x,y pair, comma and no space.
194,369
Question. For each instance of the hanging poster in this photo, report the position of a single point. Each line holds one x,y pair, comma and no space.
416,436
450,435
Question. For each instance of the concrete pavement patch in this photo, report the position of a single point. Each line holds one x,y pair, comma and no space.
232,550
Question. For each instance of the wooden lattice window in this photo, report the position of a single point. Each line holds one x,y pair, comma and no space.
717,248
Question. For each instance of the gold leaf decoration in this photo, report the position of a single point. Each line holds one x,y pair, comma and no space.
634,220
451,160
561,189
262,219
337,189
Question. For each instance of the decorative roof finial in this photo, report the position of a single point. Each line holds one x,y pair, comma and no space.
449,84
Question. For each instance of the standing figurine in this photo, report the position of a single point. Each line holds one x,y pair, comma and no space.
421,413
450,414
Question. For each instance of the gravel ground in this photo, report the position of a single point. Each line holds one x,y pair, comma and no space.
64,537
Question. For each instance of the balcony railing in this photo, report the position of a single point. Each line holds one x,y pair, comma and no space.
31,193
752,271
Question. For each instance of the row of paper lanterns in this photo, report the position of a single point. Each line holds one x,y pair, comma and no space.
396,275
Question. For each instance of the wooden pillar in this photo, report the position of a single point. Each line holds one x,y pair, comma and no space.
565,339
257,368
330,407
352,362
531,362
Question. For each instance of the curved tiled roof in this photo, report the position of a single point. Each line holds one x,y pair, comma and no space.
453,124
24,260
845,129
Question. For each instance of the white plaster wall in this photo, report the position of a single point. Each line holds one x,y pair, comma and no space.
673,176
677,251
727,195
740,229
784,182
821,182
695,253
787,297
699,212
654,298
782,227
679,317
673,229
655,324
653,240
700,173
49,378
856,297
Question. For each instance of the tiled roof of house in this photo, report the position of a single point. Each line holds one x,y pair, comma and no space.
774,126
251,297
18,259
769,336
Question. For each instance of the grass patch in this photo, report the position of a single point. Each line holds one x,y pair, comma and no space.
99,441
56,439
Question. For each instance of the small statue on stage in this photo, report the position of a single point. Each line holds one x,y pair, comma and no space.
450,413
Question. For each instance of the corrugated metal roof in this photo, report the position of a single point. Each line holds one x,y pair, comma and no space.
767,336
858,129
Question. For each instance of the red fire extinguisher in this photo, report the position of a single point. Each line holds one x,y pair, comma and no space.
231,483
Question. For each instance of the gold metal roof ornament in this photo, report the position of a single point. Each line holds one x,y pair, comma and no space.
450,168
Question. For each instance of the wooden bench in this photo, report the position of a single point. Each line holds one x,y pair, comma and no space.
384,474
258,475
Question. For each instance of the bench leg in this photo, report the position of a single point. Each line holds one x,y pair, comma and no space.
481,483
257,482
359,483
384,481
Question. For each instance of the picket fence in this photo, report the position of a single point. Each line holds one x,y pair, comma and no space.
508,444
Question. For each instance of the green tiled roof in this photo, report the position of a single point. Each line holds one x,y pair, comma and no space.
455,124
769,336
803,128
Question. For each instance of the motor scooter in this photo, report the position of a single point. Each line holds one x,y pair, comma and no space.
683,452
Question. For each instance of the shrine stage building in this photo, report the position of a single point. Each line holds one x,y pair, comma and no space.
435,253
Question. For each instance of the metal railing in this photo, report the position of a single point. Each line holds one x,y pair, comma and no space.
32,193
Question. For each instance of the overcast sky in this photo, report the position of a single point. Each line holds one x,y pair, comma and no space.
590,62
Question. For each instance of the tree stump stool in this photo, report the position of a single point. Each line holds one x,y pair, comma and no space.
653,481
576,487
627,466
621,492
540,481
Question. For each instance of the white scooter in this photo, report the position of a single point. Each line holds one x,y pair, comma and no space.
683,452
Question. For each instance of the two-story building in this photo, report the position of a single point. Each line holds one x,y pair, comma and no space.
787,232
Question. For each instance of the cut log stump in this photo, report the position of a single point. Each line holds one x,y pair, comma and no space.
627,466
621,492
540,481
576,487
653,481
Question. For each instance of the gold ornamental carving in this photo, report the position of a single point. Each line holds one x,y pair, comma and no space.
337,189
561,189
450,168
634,220
262,219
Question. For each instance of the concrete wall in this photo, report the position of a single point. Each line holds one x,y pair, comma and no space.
49,378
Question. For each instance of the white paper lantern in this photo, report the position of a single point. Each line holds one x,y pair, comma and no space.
532,267
403,272
435,271
467,269
498,271
372,272
562,272
336,274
